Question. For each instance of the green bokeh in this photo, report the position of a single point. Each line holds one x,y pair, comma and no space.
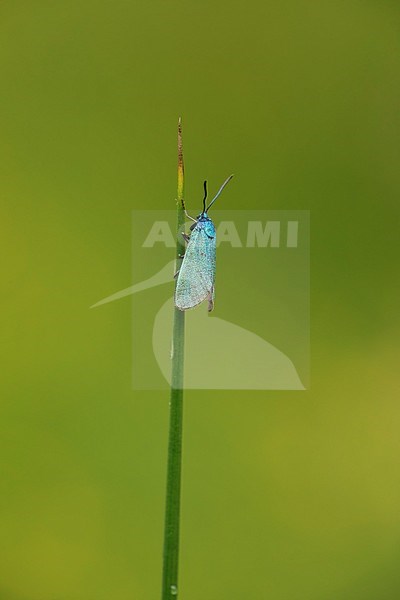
286,495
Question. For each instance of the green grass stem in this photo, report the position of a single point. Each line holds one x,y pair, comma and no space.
172,506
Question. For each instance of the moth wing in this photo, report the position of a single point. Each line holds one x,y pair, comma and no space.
197,273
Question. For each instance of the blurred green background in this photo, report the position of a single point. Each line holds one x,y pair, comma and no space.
286,495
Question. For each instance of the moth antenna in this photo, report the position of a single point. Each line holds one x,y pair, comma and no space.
205,196
218,193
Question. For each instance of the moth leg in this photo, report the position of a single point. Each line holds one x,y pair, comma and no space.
185,237
181,256
188,216
210,299
184,208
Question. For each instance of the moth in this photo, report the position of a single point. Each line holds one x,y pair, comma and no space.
196,277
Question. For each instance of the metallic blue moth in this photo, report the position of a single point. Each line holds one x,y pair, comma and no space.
196,277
